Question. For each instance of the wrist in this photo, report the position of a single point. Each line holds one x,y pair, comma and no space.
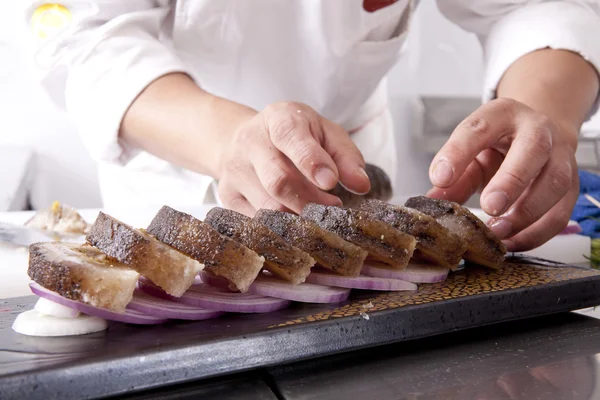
224,119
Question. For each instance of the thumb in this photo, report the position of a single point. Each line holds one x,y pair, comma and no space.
346,156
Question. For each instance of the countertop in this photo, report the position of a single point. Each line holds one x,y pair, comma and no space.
549,358
554,357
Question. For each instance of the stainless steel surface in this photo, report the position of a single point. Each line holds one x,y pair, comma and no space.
437,117
248,386
19,235
549,358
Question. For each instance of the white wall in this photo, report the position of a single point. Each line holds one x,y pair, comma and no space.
441,59
28,118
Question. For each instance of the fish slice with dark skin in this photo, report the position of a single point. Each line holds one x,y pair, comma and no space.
82,273
328,249
383,242
165,266
435,243
483,247
220,255
282,259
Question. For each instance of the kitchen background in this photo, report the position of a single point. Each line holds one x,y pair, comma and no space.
431,89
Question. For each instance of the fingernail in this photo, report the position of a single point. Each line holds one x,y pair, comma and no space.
363,173
509,244
501,227
325,178
442,173
495,203
353,191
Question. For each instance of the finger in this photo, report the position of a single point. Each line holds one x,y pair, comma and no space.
522,386
549,225
292,129
569,375
348,159
258,196
235,201
476,176
476,133
241,190
550,186
525,160
279,179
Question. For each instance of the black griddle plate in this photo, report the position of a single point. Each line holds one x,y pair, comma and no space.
131,358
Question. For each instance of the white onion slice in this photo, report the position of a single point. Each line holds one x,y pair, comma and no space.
417,273
34,323
360,282
305,292
47,307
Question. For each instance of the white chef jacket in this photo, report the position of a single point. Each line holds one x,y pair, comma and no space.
330,54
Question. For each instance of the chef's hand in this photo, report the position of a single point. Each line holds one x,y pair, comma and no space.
525,165
287,156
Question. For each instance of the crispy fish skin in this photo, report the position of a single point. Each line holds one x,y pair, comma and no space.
282,259
328,249
165,266
220,255
483,247
383,242
435,243
82,273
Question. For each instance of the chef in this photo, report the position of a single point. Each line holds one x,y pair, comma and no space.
279,100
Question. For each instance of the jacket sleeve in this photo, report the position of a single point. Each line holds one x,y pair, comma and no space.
99,61
509,29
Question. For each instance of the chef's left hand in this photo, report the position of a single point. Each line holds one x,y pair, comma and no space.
522,160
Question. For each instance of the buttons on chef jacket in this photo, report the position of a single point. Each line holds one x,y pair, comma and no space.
49,19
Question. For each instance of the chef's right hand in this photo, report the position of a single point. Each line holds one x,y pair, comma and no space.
288,156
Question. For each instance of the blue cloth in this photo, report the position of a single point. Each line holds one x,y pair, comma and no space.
589,183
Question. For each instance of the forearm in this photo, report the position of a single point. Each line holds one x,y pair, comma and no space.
179,122
557,83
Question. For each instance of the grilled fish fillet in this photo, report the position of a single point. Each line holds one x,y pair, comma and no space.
328,249
435,243
166,267
282,259
483,247
220,255
383,242
82,273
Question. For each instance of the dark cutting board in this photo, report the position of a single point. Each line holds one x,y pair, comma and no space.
128,358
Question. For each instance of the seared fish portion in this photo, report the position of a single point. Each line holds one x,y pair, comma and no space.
383,242
435,244
328,249
82,273
166,267
483,247
282,259
220,255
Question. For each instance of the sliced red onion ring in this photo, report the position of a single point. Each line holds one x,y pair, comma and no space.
572,228
217,299
305,292
417,273
128,317
162,308
360,282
